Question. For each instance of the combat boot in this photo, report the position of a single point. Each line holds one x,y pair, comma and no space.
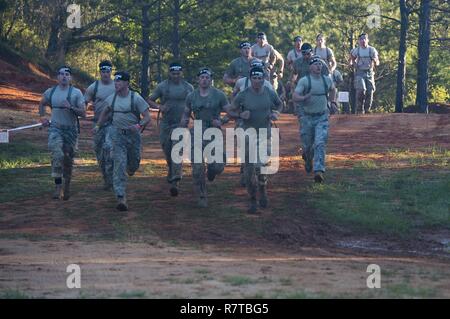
203,202
318,177
174,189
253,206
308,163
66,189
121,203
58,191
263,201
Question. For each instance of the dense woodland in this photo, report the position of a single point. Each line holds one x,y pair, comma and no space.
412,38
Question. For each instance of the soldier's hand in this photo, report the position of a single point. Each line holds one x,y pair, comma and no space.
66,104
274,116
216,123
307,97
245,115
184,123
45,122
280,75
163,107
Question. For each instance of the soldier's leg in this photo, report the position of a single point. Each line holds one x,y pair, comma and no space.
360,91
55,145
133,153
119,154
320,143
370,85
164,140
250,182
175,168
262,187
107,158
307,137
198,176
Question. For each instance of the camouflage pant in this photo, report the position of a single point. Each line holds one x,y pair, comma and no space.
61,143
198,169
102,147
126,153
175,171
254,179
314,136
365,87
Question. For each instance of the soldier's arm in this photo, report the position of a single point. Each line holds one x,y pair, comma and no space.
281,59
88,98
333,63
42,113
79,108
376,58
147,118
352,59
104,116
186,114
299,97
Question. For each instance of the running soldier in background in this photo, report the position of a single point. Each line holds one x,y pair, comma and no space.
363,59
265,52
312,92
172,95
295,53
206,103
239,67
292,56
96,93
67,104
125,108
324,52
257,106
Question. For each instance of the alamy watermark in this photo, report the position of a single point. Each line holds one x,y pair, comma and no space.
74,19
374,279
74,279
260,147
374,19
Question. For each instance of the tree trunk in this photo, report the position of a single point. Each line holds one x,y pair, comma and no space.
54,49
424,56
401,70
351,78
176,30
145,83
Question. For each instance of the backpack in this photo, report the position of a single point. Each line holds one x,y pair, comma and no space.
371,53
132,110
331,109
69,94
327,50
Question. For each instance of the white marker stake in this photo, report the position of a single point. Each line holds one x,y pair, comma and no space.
343,97
4,137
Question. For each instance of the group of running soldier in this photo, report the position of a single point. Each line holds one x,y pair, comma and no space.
258,97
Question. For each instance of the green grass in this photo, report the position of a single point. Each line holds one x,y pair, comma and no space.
238,280
393,202
132,294
22,155
13,294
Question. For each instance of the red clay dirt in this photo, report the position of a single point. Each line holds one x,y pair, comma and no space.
183,257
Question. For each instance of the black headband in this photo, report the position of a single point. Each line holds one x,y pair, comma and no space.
245,45
106,67
65,69
175,68
298,38
205,71
314,60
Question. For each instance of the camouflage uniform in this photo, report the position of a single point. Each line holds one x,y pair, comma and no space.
313,121
261,107
63,131
98,92
174,96
126,142
206,109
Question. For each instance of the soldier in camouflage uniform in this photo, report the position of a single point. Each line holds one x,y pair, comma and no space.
206,103
67,103
364,58
97,93
172,95
124,107
257,107
239,67
312,92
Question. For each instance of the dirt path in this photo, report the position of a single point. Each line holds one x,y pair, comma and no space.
185,253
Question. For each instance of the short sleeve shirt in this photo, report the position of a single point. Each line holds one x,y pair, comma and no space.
244,83
364,57
174,96
103,92
318,101
123,118
206,108
260,106
239,67
64,116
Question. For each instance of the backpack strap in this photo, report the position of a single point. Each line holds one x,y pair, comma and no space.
325,85
308,88
246,83
69,95
51,95
132,110
95,91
